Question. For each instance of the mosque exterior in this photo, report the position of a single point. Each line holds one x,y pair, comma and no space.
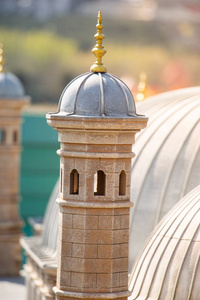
85,253
97,123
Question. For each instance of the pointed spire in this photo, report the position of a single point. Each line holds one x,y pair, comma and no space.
98,49
1,59
142,87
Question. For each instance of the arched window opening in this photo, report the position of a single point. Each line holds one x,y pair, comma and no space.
99,183
122,183
74,182
15,137
2,136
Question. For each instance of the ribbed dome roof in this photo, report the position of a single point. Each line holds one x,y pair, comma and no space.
167,161
97,94
169,266
10,86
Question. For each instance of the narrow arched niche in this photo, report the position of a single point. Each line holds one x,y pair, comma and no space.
74,182
99,183
15,137
122,183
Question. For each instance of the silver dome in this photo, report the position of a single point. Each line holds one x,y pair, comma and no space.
168,267
97,94
166,165
10,86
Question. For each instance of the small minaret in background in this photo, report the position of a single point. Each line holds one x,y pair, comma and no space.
97,123
12,101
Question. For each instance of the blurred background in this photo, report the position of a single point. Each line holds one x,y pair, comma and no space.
48,42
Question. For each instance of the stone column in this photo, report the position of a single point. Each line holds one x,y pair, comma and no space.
95,170
10,150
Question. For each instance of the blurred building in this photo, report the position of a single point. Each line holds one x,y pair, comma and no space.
41,9
185,10
12,102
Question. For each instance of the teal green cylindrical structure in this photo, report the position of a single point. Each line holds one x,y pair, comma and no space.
39,166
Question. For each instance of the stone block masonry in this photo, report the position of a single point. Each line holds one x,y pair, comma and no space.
10,151
91,247
94,207
97,123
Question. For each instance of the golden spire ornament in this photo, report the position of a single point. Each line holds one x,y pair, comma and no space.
142,87
1,59
98,49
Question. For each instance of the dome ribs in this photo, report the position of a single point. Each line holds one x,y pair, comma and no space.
159,156
164,224
101,100
166,255
80,86
179,148
194,155
123,91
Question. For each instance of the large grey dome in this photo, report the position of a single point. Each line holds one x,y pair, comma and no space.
166,166
97,94
167,161
168,266
10,86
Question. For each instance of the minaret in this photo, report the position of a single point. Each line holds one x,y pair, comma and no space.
97,123
12,101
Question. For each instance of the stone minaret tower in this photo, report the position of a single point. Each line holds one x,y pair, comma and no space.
97,123
12,101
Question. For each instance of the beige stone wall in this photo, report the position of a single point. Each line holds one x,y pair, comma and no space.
93,242
10,150
10,253
94,211
93,250
10,223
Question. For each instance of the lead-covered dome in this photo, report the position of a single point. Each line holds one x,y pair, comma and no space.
97,94
167,161
168,267
10,86
166,166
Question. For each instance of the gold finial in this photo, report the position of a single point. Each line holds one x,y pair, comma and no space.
1,58
142,86
98,49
